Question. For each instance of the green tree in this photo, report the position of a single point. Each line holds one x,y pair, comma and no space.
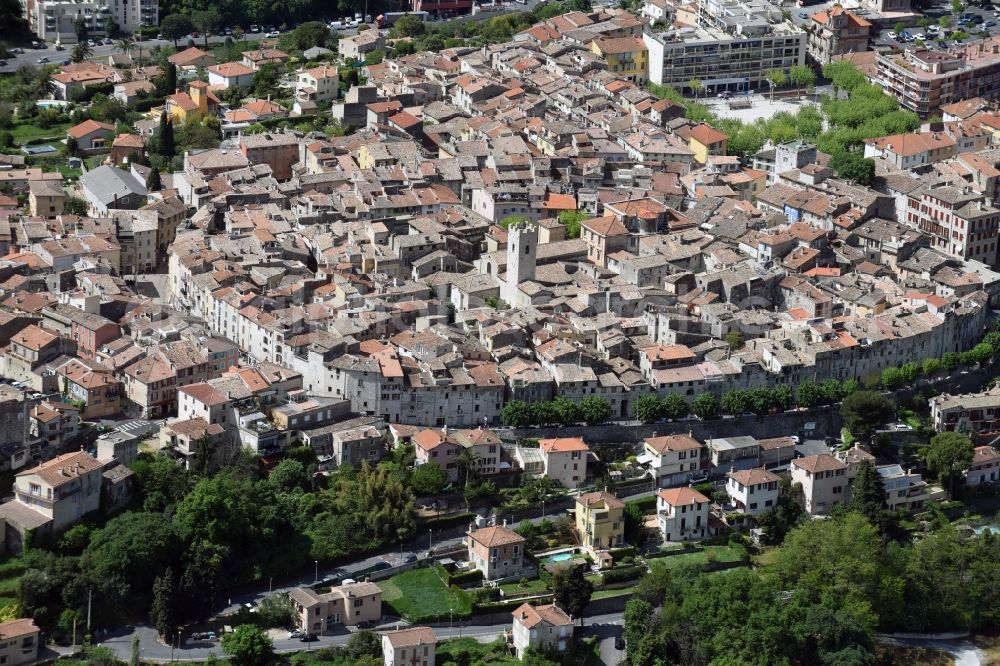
868,494
786,513
931,366
136,657
675,406
153,182
648,408
982,352
951,360
165,144
635,524
164,608
429,479
910,372
506,222
864,411
760,399
364,643
81,52
567,411
516,414
843,75
248,646
695,86
267,80
594,410
802,76
639,620
175,26
571,591
776,78
467,459
571,219
948,455
945,21
735,402
782,398
892,378
735,340
898,27
80,28
207,21
854,166
407,26
809,394
705,406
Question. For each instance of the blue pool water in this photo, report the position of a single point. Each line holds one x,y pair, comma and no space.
993,529
561,557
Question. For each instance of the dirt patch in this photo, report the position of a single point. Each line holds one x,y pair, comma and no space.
916,656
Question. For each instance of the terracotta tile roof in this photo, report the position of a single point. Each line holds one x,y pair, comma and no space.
411,637
65,468
673,443
601,497
230,69
35,337
824,462
491,537
682,496
563,444
88,127
17,628
530,616
706,135
605,226
753,477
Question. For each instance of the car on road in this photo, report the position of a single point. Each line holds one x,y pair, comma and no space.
410,558
42,60
107,41
59,47
892,35
381,565
91,43
308,638
619,642
700,477
254,27
989,24
294,633
803,15
273,34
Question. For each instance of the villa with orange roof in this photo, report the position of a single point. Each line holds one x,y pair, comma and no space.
230,74
564,459
91,136
437,446
682,514
198,102
497,551
315,86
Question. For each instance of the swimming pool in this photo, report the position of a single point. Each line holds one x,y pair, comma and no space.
561,557
991,529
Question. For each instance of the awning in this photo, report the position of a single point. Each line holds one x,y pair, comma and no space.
644,458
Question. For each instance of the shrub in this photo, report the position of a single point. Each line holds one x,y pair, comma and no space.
623,574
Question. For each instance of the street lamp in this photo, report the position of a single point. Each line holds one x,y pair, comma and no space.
316,562
430,539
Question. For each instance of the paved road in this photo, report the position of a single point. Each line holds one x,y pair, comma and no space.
606,626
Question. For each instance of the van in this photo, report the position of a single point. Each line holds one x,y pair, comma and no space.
336,25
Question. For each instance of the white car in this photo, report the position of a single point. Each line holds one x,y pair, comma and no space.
273,35
919,36
892,35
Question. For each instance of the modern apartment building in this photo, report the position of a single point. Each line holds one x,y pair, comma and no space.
731,49
923,81
55,20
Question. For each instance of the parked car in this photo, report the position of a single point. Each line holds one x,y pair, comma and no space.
989,24
254,27
42,60
308,638
294,633
272,35
619,642
803,15
699,477
892,35
381,565
410,558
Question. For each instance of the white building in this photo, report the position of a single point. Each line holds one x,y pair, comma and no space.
731,49
409,647
753,490
671,459
545,628
682,513
824,482
985,467
317,84
55,20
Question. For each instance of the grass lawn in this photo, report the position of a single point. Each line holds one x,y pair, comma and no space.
533,586
420,596
10,575
722,554
25,132
604,594
471,651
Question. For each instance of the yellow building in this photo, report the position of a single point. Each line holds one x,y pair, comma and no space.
627,57
197,103
704,141
600,521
